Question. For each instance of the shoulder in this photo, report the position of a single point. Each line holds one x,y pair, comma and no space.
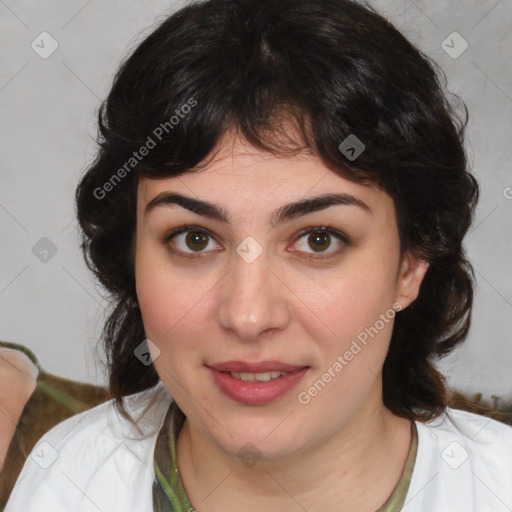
96,459
464,462
89,432
482,437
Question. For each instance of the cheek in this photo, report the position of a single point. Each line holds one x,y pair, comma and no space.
156,298
353,298
350,306
173,306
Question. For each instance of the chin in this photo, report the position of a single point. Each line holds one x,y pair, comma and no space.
261,439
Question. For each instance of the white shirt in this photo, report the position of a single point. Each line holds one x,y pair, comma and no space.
96,461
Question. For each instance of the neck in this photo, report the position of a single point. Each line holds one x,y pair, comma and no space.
356,469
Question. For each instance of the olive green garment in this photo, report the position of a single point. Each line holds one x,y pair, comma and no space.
396,501
169,494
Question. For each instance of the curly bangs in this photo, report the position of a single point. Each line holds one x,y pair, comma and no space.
290,76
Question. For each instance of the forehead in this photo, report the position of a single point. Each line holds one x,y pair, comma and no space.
243,178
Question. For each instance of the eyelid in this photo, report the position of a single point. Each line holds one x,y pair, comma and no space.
324,228
319,228
183,228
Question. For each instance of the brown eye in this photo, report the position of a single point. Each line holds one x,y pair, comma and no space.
190,240
196,240
320,239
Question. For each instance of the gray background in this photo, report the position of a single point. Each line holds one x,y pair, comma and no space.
48,108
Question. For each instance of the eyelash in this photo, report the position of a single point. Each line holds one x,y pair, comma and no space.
324,229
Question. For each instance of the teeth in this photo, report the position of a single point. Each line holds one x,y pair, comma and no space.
262,376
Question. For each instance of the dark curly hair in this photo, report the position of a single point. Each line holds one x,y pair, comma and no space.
328,69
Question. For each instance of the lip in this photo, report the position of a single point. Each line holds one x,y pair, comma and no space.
256,367
255,392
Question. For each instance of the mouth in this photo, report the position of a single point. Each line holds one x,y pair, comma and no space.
255,367
256,383
260,376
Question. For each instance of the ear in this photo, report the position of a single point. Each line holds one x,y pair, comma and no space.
410,276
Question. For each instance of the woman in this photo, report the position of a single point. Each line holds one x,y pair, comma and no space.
277,208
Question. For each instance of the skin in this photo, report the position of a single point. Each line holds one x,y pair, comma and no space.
285,305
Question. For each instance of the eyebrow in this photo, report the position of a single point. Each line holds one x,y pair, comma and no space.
285,213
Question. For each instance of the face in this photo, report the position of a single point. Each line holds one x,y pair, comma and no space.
316,289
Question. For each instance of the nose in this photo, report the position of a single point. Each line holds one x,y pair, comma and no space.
254,300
